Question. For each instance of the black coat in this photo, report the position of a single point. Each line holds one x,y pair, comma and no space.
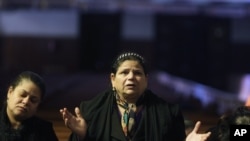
33,129
160,120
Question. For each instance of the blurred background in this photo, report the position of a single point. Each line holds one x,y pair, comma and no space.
197,50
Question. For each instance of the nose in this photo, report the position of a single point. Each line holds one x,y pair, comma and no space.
26,100
131,75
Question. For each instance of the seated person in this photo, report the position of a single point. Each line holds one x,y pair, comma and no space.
17,116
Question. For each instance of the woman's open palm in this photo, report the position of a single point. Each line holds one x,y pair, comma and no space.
76,123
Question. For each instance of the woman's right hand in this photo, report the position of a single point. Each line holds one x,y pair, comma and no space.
75,123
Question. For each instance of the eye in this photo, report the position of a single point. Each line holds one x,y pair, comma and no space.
138,72
124,72
34,100
22,94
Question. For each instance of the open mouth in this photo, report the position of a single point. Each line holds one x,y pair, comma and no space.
130,86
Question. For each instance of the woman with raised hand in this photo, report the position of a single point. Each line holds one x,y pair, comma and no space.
128,110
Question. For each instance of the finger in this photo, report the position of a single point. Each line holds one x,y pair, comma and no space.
197,126
66,122
207,135
204,137
77,111
66,114
62,110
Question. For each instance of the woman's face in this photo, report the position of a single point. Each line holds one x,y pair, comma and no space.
22,101
130,79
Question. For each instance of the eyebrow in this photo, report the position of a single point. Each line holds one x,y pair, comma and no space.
31,94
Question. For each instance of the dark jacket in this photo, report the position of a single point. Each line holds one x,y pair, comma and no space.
160,121
33,129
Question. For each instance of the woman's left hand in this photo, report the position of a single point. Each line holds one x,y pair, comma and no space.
195,136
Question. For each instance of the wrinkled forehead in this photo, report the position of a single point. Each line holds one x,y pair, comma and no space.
128,56
131,64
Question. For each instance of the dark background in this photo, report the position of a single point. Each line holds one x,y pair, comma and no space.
200,48
206,43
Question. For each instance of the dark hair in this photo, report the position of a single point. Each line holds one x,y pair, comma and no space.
34,77
128,56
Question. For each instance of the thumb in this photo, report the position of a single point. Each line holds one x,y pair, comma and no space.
77,112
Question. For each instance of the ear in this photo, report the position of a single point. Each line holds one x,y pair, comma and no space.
10,91
112,79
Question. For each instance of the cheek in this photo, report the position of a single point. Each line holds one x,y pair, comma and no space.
143,82
11,102
118,82
13,99
34,108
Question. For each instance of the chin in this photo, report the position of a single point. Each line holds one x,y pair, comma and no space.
21,117
131,92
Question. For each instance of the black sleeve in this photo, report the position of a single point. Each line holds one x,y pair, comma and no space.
43,131
73,137
214,134
178,125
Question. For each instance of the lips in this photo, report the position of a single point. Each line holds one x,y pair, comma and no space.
23,109
130,85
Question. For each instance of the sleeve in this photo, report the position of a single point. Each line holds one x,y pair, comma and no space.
178,125
214,134
96,118
73,137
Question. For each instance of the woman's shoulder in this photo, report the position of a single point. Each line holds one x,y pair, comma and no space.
153,99
100,97
150,96
101,100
